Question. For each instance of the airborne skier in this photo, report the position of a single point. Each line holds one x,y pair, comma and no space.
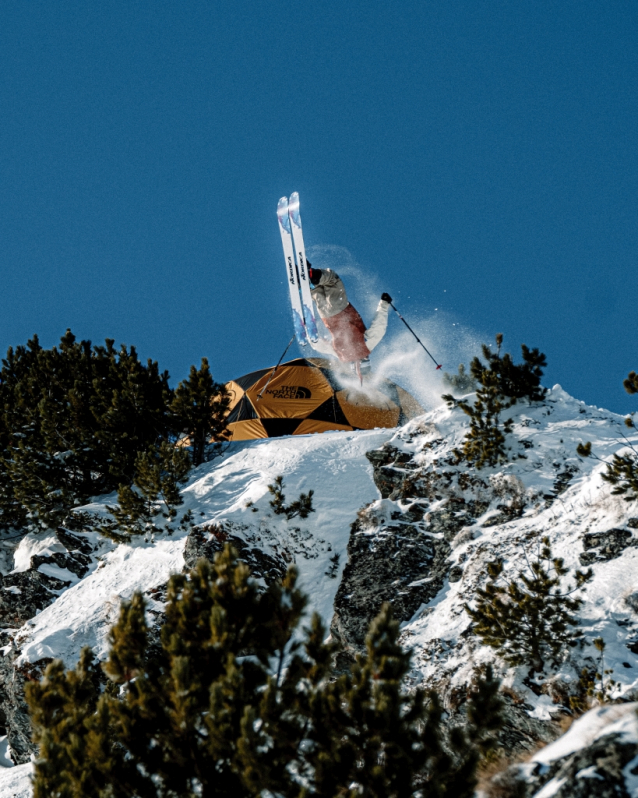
351,341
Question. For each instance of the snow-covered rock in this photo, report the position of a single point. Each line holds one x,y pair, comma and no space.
597,756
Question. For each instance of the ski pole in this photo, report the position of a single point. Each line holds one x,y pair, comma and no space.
274,371
438,365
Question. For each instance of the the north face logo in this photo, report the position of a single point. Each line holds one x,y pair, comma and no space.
290,392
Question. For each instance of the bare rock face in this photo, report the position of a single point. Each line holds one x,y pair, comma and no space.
603,546
402,551
399,563
596,770
390,471
398,552
24,594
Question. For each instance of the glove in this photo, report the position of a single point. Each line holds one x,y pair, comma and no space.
315,275
385,297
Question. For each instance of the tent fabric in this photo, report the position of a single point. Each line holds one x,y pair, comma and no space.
310,396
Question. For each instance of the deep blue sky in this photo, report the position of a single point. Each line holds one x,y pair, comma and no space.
478,158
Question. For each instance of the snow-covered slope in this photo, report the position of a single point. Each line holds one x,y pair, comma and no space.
230,490
560,495
545,489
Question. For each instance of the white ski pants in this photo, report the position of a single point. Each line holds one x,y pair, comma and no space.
372,335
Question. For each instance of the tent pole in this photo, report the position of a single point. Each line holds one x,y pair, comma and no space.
274,371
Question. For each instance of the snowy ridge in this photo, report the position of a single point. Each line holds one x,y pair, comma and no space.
585,506
558,493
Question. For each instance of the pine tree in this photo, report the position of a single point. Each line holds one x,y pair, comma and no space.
75,418
131,408
158,474
301,506
236,703
501,384
462,382
68,732
370,734
72,421
20,394
278,501
514,381
485,442
200,409
155,491
530,620
595,685
631,382
622,472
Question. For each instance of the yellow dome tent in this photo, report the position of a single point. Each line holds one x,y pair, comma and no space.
313,395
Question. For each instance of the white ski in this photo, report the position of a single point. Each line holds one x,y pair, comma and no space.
291,271
304,281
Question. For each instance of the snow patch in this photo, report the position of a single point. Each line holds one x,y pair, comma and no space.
615,719
15,782
43,543
83,614
6,760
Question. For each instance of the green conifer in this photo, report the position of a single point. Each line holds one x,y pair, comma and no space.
200,409
462,382
485,442
514,381
72,420
501,383
67,730
236,703
301,506
155,491
631,382
530,620
594,685
622,473
278,501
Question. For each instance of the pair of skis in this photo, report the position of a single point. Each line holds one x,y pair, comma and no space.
303,315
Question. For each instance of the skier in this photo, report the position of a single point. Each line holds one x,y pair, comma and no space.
351,341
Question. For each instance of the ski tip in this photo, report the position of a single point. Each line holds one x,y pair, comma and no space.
293,202
282,205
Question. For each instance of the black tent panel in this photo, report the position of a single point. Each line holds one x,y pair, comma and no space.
300,361
329,411
242,411
250,379
278,427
